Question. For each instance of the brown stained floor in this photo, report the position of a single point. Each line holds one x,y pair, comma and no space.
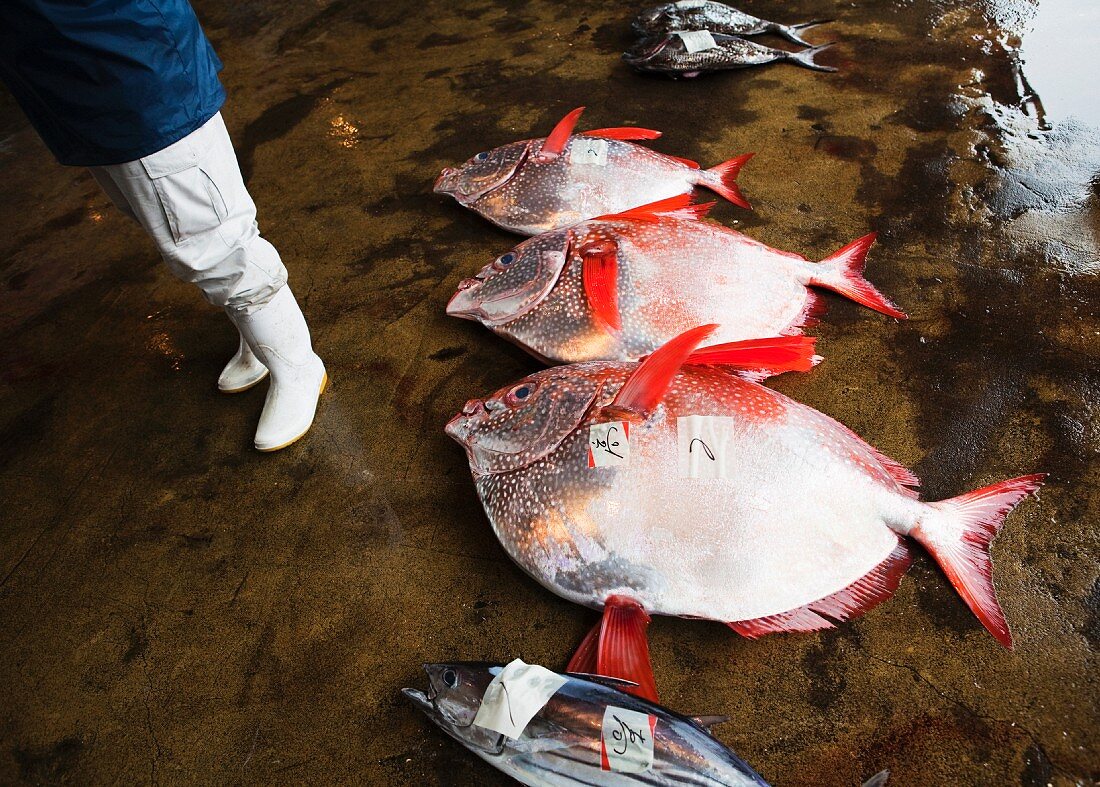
176,607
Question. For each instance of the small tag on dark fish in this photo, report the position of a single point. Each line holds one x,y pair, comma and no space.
688,5
626,740
609,444
588,151
702,442
697,40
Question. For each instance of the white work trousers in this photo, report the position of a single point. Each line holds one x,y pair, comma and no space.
192,201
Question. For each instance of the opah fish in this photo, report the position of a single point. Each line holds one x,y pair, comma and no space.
616,288
583,734
543,184
691,53
714,498
715,17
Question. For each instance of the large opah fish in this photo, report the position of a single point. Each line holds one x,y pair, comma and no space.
682,489
588,732
691,53
714,17
616,288
543,184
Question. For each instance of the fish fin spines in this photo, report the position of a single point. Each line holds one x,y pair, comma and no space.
557,139
813,310
685,161
600,279
842,272
691,212
616,647
722,179
652,211
773,355
959,536
649,382
627,133
874,587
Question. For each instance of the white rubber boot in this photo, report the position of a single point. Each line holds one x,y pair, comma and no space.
278,334
242,372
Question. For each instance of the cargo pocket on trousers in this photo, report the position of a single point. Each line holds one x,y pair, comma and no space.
191,201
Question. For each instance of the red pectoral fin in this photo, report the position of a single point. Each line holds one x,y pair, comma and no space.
627,133
778,354
555,143
647,385
678,207
600,276
617,647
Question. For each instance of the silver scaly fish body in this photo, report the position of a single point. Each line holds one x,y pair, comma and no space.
714,17
561,745
671,54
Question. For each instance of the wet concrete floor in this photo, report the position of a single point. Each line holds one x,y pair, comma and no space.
179,608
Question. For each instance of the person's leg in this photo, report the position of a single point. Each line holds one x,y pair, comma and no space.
192,201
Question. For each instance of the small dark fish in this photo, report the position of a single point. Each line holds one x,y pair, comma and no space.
575,737
690,53
715,17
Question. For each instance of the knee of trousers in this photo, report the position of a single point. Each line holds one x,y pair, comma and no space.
243,277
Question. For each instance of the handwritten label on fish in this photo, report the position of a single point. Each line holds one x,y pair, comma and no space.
626,740
588,150
697,40
514,696
703,446
609,444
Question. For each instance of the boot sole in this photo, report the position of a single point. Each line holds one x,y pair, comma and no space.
244,388
291,441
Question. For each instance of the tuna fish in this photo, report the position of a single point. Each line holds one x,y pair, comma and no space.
715,18
691,53
583,734
675,487
617,287
537,185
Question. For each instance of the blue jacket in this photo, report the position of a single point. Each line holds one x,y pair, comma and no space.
109,81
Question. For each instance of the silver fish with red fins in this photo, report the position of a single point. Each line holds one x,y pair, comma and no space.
716,18
537,185
616,288
675,487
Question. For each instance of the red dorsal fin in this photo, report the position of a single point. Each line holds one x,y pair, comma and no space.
625,132
678,207
600,277
555,143
775,355
686,161
647,385
617,647
872,588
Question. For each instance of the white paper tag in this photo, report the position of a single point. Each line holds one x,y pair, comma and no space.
697,40
703,446
515,696
626,740
588,150
609,444
687,5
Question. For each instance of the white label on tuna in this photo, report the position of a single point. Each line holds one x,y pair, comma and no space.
703,445
609,444
515,696
588,150
687,5
697,40
626,740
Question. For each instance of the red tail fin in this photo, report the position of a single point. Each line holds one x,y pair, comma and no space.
959,538
617,647
775,355
723,179
843,273
627,132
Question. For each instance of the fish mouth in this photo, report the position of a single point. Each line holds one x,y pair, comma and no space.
444,184
422,700
462,303
646,50
459,427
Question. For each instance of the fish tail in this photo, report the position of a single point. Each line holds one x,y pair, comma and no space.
958,535
791,32
722,179
842,272
805,58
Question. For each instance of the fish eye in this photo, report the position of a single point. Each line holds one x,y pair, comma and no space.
521,393
450,678
481,156
508,259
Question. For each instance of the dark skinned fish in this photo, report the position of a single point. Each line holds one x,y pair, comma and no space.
691,53
715,17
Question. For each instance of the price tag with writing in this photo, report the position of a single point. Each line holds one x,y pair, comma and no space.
697,40
703,445
609,444
514,696
626,740
588,150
